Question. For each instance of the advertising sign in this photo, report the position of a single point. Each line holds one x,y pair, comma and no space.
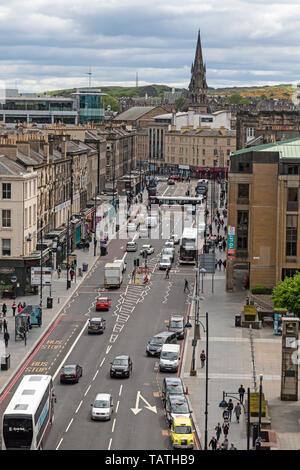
36,276
231,243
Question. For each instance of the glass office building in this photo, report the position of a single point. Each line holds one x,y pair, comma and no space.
90,105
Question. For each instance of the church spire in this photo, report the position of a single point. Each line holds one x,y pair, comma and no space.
197,94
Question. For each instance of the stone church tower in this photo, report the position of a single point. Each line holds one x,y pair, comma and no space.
196,99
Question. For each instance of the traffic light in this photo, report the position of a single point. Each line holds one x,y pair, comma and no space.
136,262
75,262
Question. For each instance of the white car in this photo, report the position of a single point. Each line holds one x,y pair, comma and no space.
174,238
103,407
143,232
169,252
148,248
165,262
169,244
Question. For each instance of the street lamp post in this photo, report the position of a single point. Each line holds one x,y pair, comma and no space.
41,264
260,403
206,385
68,242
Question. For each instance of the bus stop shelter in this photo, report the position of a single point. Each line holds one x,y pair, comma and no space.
30,315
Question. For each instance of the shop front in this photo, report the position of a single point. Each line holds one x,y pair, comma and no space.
11,278
211,173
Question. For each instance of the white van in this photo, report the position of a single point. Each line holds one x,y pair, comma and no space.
151,222
169,357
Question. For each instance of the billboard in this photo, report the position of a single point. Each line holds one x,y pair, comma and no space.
36,276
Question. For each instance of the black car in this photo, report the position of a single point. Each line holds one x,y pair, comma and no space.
176,324
172,386
96,325
121,367
70,373
177,405
156,343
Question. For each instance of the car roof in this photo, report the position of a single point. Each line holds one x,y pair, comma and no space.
177,398
182,420
131,243
70,365
163,333
177,317
103,396
96,319
102,298
121,357
173,380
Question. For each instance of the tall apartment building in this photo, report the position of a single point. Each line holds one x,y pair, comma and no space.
263,211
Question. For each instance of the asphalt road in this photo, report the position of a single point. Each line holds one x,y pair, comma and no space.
137,313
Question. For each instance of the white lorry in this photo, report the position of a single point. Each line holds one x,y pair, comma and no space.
113,275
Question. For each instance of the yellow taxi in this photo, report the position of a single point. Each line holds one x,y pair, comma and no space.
182,436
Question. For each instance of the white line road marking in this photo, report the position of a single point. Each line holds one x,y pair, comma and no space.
96,374
102,362
59,443
120,392
69,425
117,407
108,349
113,426
79,406
87,390
110,442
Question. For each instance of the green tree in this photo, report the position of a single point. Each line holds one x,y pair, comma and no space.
179,103
236,98
287,294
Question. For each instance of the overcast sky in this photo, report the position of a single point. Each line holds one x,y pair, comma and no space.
48,45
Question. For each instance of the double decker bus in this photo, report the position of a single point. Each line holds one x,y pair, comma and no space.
29,415
188,246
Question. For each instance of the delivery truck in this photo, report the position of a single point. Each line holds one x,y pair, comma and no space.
113,275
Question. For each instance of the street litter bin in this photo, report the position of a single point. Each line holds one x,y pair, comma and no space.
68,284
85,267
49,302
5,362
79,272
238,320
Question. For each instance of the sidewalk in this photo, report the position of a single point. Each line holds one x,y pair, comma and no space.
61,296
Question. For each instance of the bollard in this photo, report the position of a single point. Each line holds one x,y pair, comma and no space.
58,300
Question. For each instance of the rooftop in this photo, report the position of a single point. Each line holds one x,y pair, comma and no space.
287,148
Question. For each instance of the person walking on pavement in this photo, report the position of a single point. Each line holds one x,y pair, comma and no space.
220,263
4,310
202,358
238,411
230,408
224,264
232,447
58,272
133,274
241,391
4,325
218,430
225,428
186,286
213,443
6,338
14,307
72,273
225,444
1,322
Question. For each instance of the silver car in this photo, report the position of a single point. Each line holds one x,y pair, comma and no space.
165,262
103,407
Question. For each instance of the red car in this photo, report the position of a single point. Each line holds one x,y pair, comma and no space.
103,303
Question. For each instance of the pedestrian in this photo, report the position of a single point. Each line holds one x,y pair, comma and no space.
4,310
225,444
24,305
58,272
4,325
225,229
14,307
213,443
241,391
216,263
232,447
238,411
230,408
225,428
167,272
224,244
20,308
224,264
1,321
220,245
133,274
186,286
220,263
72,274
6,338
19,305
202,358
218,430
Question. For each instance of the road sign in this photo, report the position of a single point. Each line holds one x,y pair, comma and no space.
207,261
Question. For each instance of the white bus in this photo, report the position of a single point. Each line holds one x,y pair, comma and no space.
29,415
188,246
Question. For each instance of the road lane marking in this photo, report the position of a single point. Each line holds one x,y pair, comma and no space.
87,390
108,349
69,425
59,443
110,442
96,374
120,391
113,426
117,407
78,406
102,362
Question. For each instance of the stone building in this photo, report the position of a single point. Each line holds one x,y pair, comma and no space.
263,212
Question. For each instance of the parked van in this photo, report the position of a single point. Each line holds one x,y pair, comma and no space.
169,357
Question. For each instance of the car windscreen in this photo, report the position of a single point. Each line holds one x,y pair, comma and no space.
183,429
101,404
176,324
156,341
170,355
102,301
179,407
165,260
120,362
95,323
69,369
175,388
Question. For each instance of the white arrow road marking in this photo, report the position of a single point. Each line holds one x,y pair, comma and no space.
136,410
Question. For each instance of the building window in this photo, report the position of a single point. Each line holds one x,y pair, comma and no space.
6,218
242,230
244,167
291,235
292,199
228,142
243,191
203,152
288,272
6,190
203,162
215,141
250,132
215,152
6,246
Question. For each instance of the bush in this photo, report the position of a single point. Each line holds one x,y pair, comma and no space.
261,290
